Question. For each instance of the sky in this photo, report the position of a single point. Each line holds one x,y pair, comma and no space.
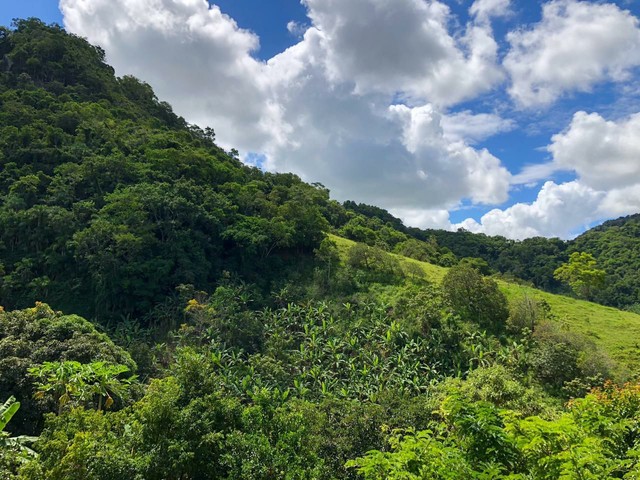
513,118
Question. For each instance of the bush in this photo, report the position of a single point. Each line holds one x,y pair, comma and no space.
475,298
566,363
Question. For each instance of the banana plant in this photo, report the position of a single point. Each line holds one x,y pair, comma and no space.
73,382
17,444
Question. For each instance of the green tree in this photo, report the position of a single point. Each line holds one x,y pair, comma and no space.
475,298
581,274
34,336
75,383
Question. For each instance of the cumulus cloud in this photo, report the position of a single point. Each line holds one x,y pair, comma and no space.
484,10
450,165
604,154
404,46
394,156
620,201
296,28
323,108
559,211
562,211
575,46
424,218
474,127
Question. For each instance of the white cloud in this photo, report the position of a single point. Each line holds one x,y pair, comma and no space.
474,127
559,211
296,28
450,166
404,46
532,174
484,10
563,211
392,156
604,154
621,201
575,46
424,218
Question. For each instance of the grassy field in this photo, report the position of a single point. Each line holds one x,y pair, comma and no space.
615,331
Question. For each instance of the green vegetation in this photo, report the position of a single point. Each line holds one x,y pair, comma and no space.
478,441
581,274
615,245
221,322
14,451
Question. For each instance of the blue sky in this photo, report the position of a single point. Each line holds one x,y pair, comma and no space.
504,117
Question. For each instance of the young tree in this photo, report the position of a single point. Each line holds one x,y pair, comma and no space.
581,274
76,383
475,298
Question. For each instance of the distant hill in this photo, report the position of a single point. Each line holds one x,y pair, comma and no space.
616,245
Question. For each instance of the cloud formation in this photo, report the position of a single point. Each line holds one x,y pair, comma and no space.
559,211
576,45
484,10
404,46
604,154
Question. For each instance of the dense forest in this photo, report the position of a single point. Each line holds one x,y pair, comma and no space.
167,312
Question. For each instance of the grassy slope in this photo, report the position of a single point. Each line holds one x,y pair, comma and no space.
616,331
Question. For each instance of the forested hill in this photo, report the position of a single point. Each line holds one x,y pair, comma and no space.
109,201
615,245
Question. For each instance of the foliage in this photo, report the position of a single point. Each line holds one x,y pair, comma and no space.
13,450
31,337
616,245
74,383
565,362
593,439
106,195
526,312
354,352
581,274
475,298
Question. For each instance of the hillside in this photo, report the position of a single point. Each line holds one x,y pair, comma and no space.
615,244
109,201
616,331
